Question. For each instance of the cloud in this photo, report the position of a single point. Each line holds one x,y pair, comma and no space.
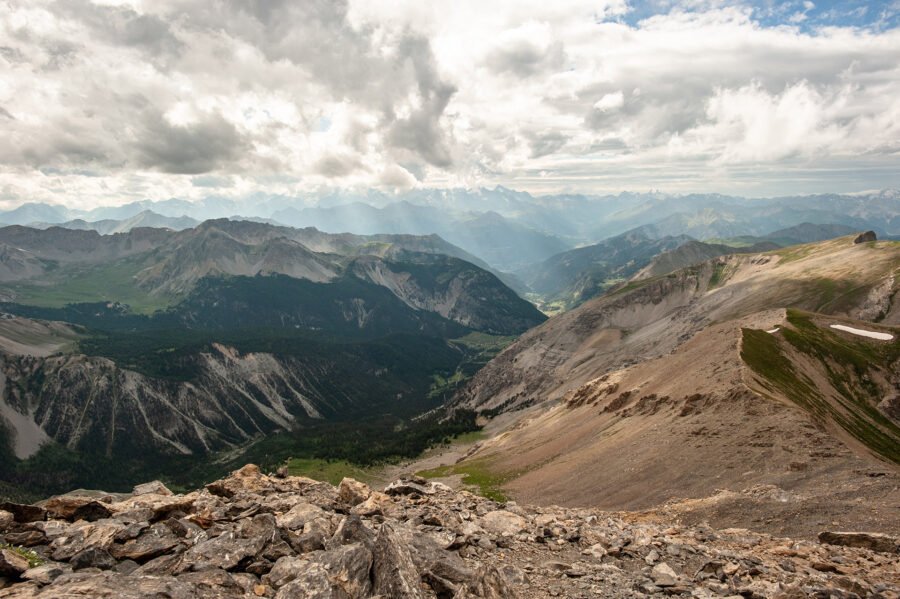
553,96
187,149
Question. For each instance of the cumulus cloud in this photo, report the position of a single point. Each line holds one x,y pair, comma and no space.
173,97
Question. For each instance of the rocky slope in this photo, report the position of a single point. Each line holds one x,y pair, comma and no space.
694,252
698,390
252,535
649,318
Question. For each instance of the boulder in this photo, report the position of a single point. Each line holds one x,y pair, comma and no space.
155,541
153,507
46,573
232,547
487,584
26,538
312,582
12,564
6,519
865,540
66,507
248,479
85,535
348,568
285,570
503,523
24,513
351,530
393,571
864,237
377,504
112,585
353,492
663,575
213,582
299,515
155,487
93,557
407,487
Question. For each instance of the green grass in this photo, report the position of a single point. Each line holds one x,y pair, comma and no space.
478,474
484,342
108,282
849,365
34,560
795,252
443,385
330,471
718,277
468,438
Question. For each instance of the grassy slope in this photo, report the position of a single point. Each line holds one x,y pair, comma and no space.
851,367
113,281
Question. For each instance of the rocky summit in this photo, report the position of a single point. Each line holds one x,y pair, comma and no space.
255,535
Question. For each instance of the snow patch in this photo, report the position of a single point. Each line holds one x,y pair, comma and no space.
862,333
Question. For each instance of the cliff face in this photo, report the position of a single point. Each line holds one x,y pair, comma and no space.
450,288
252,535
572,348
90,403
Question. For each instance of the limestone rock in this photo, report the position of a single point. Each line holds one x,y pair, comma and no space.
6,519
407,487
501,522
155,487
12,564
260,536
353,492
865,540
45,574
23,512
299,516
663,575
393,571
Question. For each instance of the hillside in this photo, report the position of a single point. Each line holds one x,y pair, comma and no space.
573,277
692,253
673,391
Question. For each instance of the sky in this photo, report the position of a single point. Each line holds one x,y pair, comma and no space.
110,101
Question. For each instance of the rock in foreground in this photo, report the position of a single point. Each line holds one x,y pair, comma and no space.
251,535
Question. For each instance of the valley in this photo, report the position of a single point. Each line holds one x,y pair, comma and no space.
233,339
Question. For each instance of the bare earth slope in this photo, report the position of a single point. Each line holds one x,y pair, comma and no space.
685,392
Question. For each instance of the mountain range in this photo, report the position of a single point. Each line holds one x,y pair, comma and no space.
508,229
184,343
153,345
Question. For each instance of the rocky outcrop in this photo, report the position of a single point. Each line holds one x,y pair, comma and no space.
251,535
866,237
232,398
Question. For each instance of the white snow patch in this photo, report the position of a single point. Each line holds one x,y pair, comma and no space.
773,331
862,333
